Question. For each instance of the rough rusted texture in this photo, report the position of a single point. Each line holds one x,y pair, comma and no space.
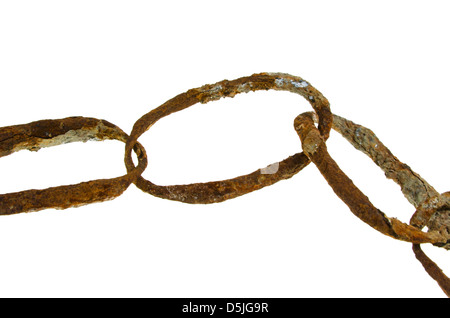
432,269
217,191
414,188
50,132
315,148
47,133
433,213
432,208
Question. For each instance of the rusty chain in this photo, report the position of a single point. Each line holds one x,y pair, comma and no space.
432,209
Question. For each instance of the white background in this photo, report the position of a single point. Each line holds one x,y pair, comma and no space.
382,64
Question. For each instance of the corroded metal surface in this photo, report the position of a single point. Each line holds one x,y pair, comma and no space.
217,191
47,133
315,148
432,209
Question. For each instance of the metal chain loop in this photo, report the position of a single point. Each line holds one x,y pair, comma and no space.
48,133
415,189
211,192
432,208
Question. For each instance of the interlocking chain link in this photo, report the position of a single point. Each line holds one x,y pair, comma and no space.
47,133
222,190
432,208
